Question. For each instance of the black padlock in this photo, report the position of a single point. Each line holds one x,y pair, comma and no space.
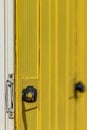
29,94
79,87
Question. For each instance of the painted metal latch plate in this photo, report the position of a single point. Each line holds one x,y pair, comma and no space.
10,96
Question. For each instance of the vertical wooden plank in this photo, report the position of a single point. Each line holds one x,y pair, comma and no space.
44,79
27,61
28,31
71,65
60,68
62,65
82,63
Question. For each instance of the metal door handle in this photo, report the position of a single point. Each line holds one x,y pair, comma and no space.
10,96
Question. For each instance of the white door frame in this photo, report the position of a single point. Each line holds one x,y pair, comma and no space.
2,71
6,57
9,49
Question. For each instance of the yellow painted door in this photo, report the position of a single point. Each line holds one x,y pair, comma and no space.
50,55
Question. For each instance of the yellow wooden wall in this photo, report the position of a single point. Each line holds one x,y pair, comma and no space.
51,54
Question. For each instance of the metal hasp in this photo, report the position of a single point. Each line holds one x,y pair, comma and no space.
10,96
79,87
29,94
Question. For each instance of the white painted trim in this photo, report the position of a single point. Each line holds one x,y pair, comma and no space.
2,90
9,21
9,45
6,56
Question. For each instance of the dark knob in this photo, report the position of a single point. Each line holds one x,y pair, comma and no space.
29,94
79,86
